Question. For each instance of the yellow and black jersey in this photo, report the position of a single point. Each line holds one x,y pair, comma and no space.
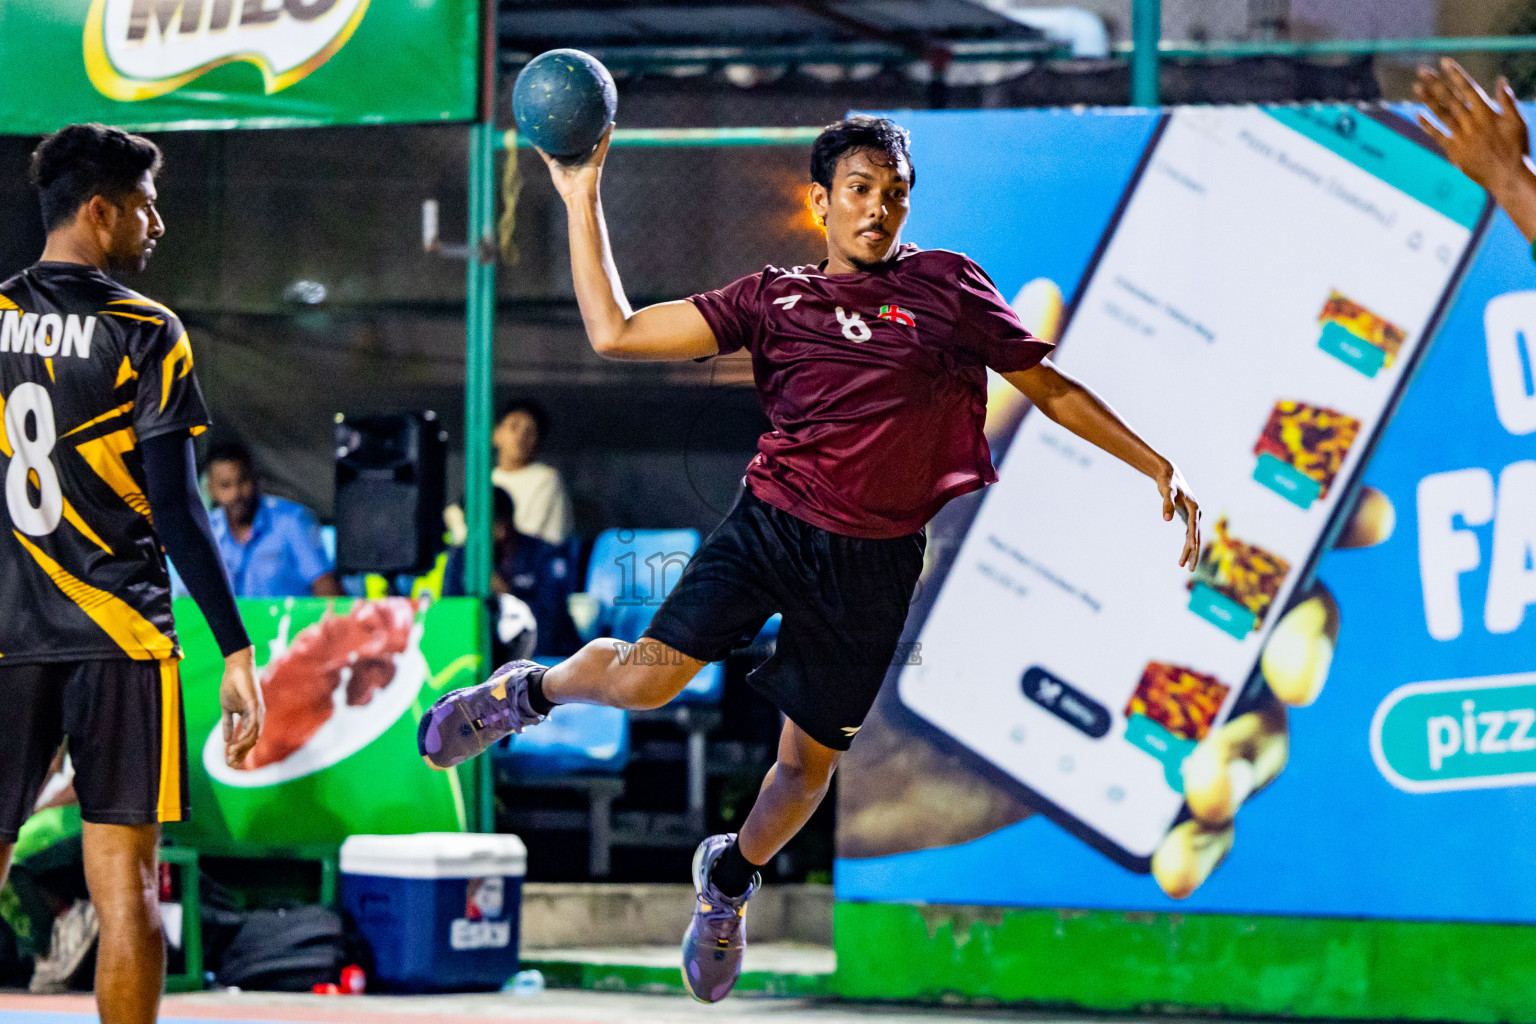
88,369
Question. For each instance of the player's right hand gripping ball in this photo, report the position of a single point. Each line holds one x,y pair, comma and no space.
563,100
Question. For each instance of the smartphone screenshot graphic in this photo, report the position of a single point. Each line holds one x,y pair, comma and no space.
1255,310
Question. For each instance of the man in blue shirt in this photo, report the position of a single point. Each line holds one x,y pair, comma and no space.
270,546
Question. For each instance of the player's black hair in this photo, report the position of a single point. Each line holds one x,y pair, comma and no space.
76,163
538,412
859,132
231,451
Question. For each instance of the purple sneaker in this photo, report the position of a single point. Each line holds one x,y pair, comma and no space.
717,935
461,724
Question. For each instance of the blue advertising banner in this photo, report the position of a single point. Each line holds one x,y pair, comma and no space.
1321,322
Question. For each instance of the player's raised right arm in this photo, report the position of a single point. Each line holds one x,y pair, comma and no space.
665,331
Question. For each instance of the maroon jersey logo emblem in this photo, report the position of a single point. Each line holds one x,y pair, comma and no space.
897,315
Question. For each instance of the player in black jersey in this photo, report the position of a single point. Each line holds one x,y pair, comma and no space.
98,407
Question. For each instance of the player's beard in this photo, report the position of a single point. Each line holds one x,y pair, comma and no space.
864,266
132,257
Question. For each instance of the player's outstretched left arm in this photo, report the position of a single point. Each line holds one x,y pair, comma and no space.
1074,406
665,331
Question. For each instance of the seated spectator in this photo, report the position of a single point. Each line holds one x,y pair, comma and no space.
45,902
270,546
535,572
537,492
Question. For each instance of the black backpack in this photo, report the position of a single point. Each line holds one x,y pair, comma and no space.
286,950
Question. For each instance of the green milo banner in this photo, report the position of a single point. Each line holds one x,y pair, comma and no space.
151,64
345,684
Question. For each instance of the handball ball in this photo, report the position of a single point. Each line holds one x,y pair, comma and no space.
563,99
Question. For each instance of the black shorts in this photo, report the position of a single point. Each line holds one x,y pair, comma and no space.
123,720
844,601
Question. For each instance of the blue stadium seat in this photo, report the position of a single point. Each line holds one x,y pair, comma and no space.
578,739
630,572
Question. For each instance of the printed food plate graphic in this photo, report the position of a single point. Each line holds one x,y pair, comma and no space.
335,688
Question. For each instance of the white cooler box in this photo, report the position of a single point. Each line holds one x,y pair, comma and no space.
440,910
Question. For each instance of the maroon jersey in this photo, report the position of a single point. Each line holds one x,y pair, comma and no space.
875,384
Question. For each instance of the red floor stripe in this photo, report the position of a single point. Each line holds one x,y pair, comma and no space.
48,1004
173,1008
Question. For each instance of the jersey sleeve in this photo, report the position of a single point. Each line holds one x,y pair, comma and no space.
168,397
734,312
990,328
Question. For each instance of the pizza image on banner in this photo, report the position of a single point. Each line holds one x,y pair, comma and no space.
140,49
1235,582
1358,337
1302,448
1178,698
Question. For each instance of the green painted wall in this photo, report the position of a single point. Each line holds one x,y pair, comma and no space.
649,978
1105,960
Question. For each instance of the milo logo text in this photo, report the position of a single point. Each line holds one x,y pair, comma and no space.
140,49
189,17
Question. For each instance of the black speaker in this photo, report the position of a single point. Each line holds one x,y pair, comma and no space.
391,481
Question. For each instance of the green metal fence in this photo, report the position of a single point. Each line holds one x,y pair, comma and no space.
1148,48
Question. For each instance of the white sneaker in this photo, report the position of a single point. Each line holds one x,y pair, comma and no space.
74,934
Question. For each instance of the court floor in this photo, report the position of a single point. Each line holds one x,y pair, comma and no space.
552,1007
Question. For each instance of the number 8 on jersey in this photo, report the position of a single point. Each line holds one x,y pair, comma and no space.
31,462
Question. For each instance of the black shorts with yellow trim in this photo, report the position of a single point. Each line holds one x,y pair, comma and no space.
123,723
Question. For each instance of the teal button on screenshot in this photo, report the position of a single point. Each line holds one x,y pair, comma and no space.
1287,481
1351,350
1144,734
1221,611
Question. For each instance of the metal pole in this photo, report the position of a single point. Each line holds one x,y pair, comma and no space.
1350,47
480,328
697,777
479,335
691,137
1146,32
480,318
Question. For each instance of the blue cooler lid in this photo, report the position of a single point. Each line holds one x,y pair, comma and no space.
435,855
